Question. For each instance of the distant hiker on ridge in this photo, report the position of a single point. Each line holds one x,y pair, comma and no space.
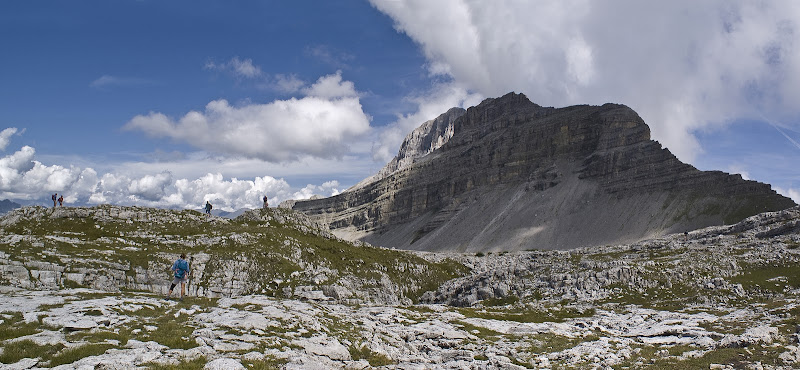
208,208
266,204
180,271
60,201
55,198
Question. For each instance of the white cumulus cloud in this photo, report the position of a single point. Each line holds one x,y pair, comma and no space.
792,193
23,177
150,187
5,137
321,124
680,64
332,87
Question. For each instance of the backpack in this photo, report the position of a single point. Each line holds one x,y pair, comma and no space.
181,268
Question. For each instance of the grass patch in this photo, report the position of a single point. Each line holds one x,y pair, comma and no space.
549,343
173,334
193,364
268,363
676,298
70,355
505,301
99,336
770,278
480,331
364,353
15,351
738,358
14,326
528,315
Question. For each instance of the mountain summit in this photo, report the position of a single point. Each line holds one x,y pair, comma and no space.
509,174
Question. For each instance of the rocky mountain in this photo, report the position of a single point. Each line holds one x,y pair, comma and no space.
723,297
422,141
514,175
7,205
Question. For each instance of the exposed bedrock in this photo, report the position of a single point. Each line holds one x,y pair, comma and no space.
509,174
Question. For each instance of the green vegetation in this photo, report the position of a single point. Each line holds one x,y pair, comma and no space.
480,331
17,350
193,364
548,343
268,363
70,355
364,353
554,314
273,254
737,358
773,278
99,336
172,332
505,301
14,326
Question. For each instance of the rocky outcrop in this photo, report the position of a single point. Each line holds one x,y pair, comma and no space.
426,138
712,260
278,252
515,176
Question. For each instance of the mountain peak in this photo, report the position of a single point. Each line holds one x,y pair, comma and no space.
515,175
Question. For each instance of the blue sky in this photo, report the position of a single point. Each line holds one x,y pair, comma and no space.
173,103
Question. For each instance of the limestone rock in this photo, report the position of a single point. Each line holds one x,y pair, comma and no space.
509,174
223,364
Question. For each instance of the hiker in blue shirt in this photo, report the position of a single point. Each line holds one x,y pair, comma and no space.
180,271
208,208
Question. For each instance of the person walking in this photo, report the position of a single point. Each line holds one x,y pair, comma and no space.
266,204
55,198
208,208
180,273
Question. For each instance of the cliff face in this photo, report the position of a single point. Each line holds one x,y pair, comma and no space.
515,175
426,138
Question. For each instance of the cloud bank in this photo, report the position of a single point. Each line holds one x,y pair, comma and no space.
22,177
681,65
321,124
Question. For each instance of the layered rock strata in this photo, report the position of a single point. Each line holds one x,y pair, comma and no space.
515,175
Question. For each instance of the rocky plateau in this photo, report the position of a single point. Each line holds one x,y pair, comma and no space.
82,288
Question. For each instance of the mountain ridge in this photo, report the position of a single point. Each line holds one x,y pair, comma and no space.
515,175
